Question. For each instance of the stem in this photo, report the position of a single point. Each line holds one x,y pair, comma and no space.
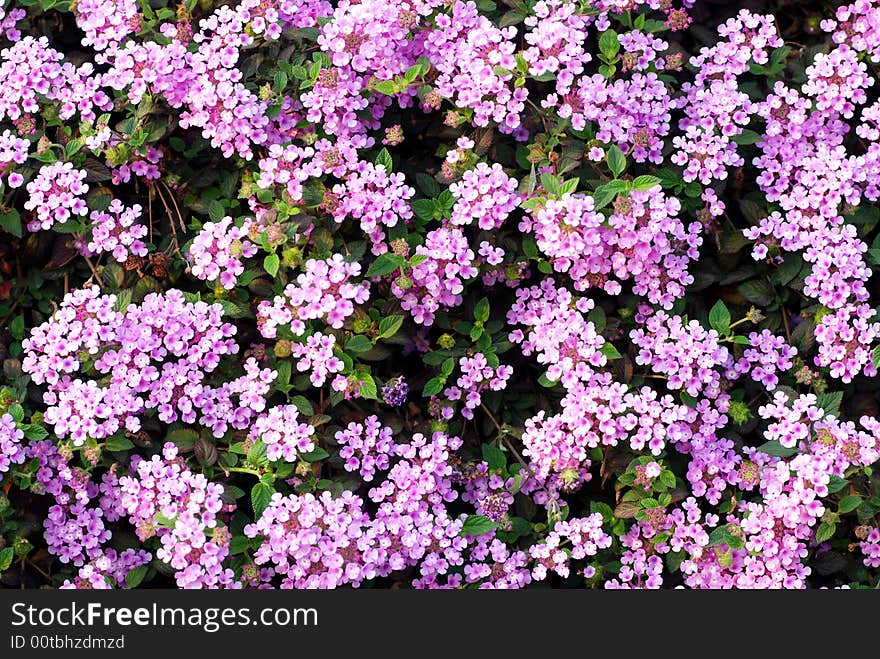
94,272
787,327
506,440
739,322
242,470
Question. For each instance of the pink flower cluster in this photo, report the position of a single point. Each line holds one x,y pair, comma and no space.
323,290
284,435
485,194
317,355
11,450
477,376
118,232
216,252
585,537
56,195
686,353
439,279
366,447
715,108
155,355
374,197
163,497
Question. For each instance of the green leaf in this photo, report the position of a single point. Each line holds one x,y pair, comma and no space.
5,558
830,402
315,455
719,318
477,525
424,209
746,137
238,545
610,351
367,388
432,387
384,158
34,432
16,327
383,265
216,211
550,183
481,310
303,405
776,449
825,531
134,577
836,484
261,495
876,357
616,159
723,536
386,87
118,444
606,193
609,44
757,291
271,264
183,438
358,344
849,503
17,412
280,81
645,182
11,222
788,270
389,326
494,457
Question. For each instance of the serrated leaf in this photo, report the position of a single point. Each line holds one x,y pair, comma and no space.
610,351
183,438
303,405
830,402
719,318
825,532
645,182
271,264
358,344
494,457
135,576
315,455
432,387
776,449
383,265
616,160
384,158
481,310
849,503
477,525
626,509
757,291
386,87
389,326
836,484
746,137
118,444
261,495
6,556
11,222
609,43
367,388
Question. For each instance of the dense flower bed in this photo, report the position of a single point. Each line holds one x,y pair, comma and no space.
432,294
